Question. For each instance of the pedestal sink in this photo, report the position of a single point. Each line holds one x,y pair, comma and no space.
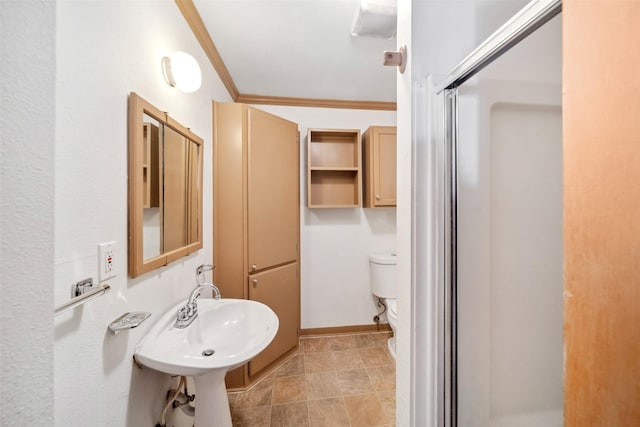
226,334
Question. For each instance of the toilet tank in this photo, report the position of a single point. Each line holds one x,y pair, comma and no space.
384,282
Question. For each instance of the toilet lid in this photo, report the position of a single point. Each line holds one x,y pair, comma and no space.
392,306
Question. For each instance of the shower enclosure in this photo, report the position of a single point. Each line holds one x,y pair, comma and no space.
501,341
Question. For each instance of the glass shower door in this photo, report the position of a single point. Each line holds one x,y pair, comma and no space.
507,302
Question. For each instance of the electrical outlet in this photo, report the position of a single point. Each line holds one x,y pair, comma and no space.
106,260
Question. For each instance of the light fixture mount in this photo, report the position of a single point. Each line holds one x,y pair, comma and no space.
181,70
166,71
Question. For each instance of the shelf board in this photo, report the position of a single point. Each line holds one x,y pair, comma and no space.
333,169
332,206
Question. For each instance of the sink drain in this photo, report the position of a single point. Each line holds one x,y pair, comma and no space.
208,352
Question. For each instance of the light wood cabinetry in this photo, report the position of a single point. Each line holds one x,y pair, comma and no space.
271,287
257,221
379,158
334,177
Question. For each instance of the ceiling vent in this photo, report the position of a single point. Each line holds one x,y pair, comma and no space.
376,18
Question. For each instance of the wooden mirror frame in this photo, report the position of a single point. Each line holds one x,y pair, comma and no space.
137,264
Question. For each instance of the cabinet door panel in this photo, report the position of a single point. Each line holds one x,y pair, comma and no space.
273,187
384,154
278,288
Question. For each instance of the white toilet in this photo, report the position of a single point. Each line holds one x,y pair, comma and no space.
384,285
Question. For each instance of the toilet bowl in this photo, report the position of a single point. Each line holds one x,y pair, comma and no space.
392,316
384,286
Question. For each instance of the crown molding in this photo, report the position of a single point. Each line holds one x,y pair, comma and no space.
194,20
316,102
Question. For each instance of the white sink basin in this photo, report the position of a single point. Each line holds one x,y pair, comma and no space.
236,330
232,331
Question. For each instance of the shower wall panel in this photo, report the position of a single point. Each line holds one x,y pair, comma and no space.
526,258
509,253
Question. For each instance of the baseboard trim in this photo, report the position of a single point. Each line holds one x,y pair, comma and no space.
334,330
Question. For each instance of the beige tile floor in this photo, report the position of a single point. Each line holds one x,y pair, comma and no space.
332,381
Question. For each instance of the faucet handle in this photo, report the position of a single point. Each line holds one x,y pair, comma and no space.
201,269
192,309
183,313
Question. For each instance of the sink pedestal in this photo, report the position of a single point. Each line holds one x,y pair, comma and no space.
212,403
226,334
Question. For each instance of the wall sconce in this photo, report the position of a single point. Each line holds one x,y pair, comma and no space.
181,70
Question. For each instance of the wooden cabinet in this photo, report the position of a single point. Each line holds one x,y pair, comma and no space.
334,177
379,158
273,190
256,233
271,287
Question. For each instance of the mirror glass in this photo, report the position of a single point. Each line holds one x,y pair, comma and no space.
165,188
152,222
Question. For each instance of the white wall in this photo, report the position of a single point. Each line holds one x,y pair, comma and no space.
104,51
27,72
335,243
405,328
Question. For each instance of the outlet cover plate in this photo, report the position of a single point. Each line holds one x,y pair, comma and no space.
106,260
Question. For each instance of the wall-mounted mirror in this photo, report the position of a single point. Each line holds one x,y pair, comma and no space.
165,188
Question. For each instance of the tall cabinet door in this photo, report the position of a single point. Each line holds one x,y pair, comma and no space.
273,190
278,288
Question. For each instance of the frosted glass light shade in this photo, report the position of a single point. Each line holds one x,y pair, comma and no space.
181,70
376,18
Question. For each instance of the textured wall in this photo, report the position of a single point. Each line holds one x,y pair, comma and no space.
105,50
27,34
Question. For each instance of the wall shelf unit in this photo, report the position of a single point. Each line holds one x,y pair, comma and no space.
334,177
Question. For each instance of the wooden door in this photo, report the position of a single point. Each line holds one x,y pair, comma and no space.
279,289
273,190
601,126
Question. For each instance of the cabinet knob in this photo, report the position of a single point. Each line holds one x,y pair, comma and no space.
255,282
254,267
377,197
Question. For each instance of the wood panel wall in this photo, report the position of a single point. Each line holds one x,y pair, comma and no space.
601,132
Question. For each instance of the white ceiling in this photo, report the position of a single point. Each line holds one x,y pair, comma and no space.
298,48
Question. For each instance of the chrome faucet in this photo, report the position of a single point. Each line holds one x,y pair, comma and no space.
188,312
196,292
201,269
